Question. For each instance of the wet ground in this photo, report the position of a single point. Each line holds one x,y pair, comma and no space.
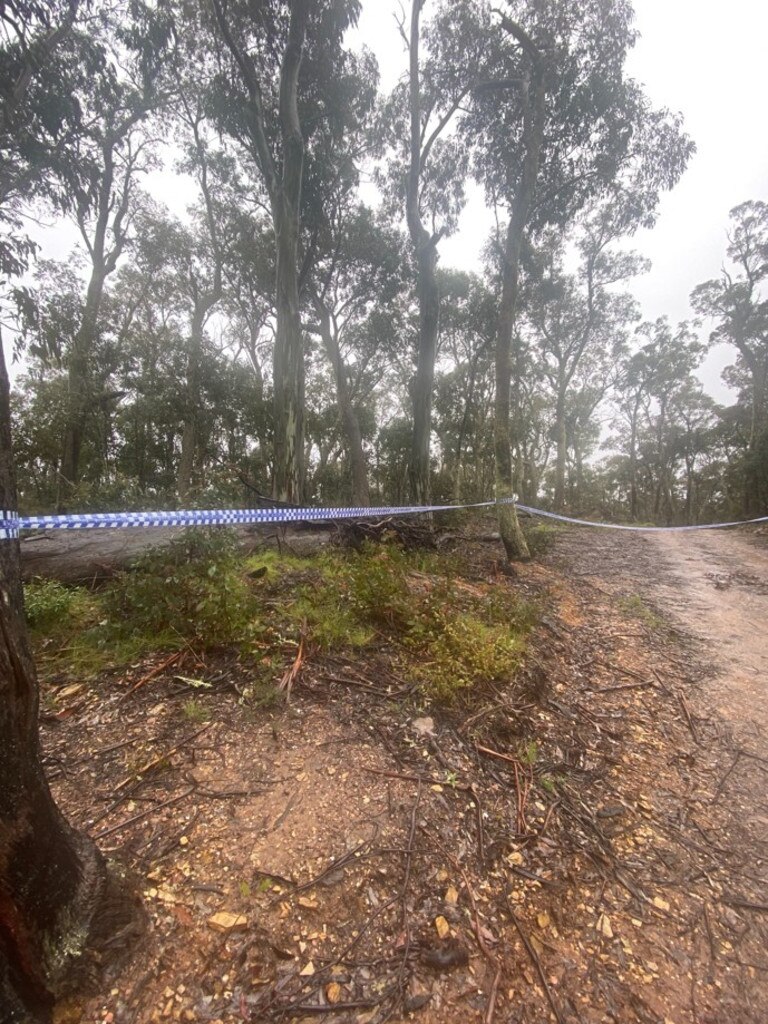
587,844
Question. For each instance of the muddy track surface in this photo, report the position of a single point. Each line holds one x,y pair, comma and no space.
712,587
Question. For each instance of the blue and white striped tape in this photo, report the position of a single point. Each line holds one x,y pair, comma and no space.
636,529
11,523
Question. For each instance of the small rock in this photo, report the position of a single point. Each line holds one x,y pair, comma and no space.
224,921
604,926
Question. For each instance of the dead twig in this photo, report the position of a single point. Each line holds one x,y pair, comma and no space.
144,814
687,713
291,674
161,757
619,686
153,673
739,901
536,963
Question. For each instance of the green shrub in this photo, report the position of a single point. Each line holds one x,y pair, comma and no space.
195,587
540,537
47,602
454,639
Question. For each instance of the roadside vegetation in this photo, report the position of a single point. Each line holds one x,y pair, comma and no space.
445,634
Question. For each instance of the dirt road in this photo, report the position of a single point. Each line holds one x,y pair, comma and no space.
716,587
710,585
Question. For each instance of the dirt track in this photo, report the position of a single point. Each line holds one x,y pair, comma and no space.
715,585
711,586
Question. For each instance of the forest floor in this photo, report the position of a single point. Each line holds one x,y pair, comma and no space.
586,844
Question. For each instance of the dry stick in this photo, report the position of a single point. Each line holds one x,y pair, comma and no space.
710,934
620,669
480,829
522,789
153,673
495,753
144,814
289,677
496,964
619,686
161,757
536,963
404,891
738,901
687,713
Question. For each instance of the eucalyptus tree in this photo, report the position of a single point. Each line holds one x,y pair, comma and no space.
358,268
738,303
199,256
557,123
463,378
577,316
656,378
274,71
56,895
430,169
116,148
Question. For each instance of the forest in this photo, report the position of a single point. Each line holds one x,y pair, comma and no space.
297,337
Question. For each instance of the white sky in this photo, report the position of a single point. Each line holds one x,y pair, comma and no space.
704,59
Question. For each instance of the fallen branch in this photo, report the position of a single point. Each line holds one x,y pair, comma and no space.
153,673
687,713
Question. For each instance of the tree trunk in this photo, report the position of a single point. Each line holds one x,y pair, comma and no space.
56,897
288,364
79,398
509,526
633,503
289,341
754,484
358,464
423,384
189,433
533,135
562,449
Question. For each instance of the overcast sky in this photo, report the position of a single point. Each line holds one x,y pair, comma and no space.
702,59
705,60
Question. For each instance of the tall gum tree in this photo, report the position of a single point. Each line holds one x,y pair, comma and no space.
113,150
434,171
573,316
362,269
738,303
555,124
277,64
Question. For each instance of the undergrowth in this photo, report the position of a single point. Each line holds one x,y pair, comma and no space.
447,635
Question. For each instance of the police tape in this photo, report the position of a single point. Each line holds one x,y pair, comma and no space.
636,529
11,524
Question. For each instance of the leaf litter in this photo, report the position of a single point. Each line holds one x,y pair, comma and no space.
565,849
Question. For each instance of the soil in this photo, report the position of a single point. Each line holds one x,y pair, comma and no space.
586,843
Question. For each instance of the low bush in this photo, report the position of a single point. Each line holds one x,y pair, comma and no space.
47,602
195,587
